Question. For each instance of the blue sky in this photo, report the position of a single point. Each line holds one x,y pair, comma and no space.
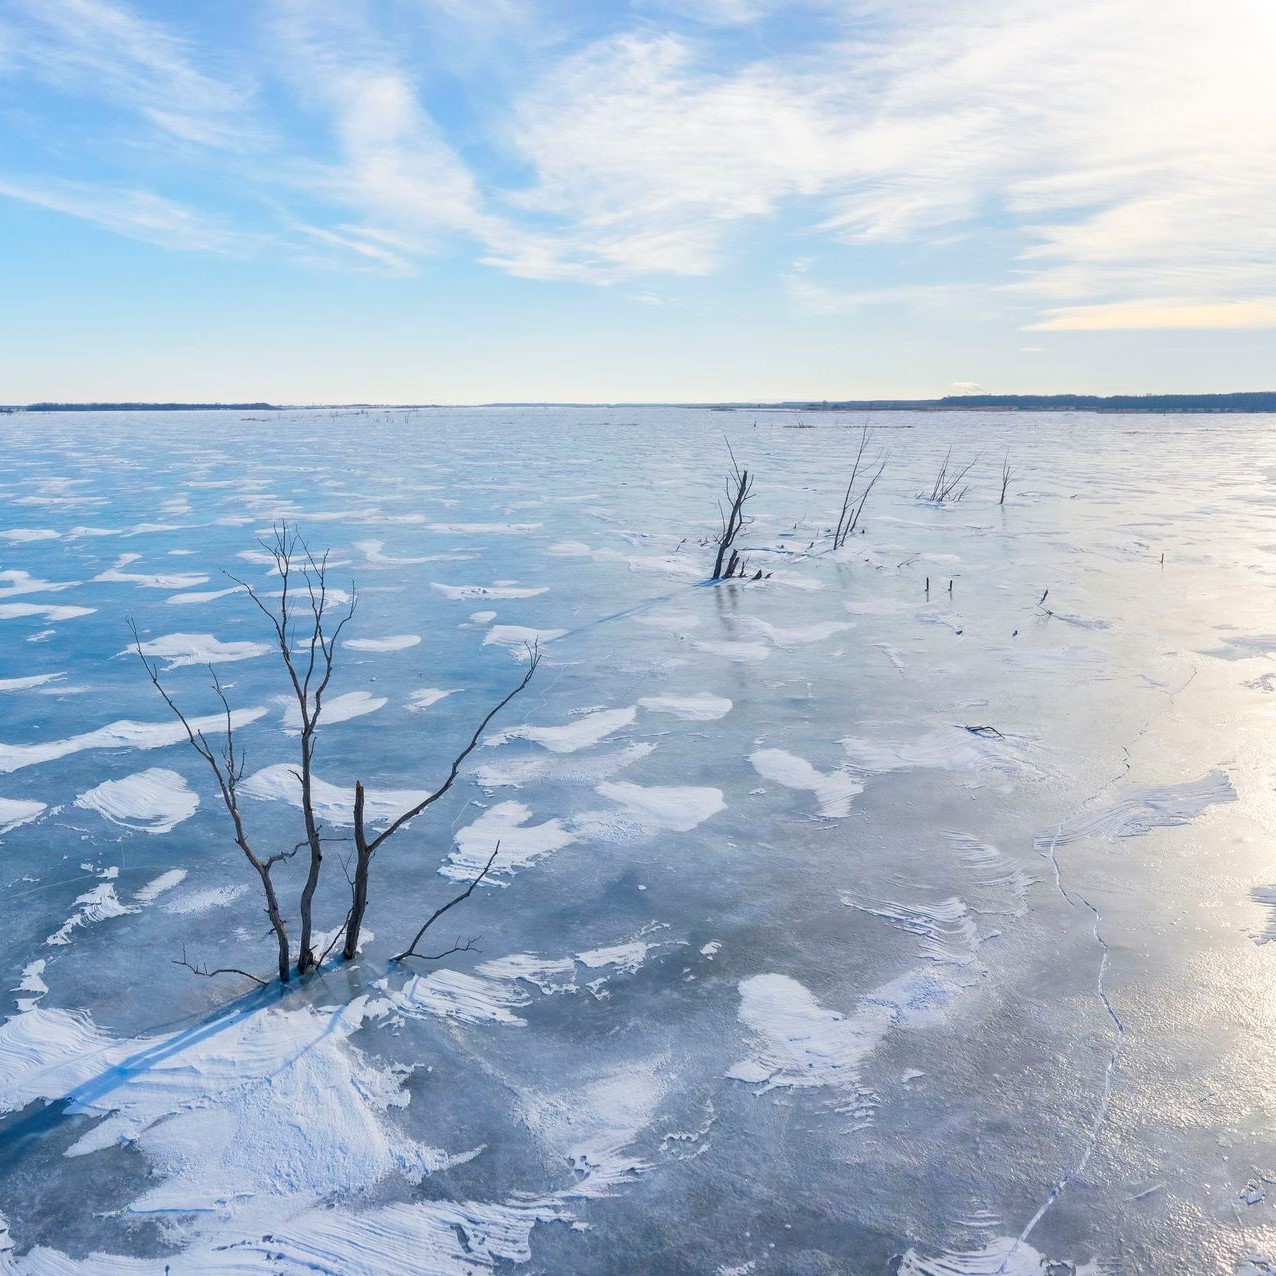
475,200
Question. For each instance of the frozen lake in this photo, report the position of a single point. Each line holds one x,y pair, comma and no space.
840,927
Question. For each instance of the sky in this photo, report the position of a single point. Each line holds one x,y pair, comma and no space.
661,200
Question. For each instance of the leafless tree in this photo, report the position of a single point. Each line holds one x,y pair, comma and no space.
309,660
307,618
366,847
947,485
739,490
1007,473
853,503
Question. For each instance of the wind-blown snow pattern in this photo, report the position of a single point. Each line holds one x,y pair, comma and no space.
833,790
15,811
153,801
1139,812
838,921
585,731
177,650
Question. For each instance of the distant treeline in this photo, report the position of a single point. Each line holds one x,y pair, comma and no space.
135,407
1257,401
1248,401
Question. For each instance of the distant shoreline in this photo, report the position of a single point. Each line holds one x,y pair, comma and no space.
1247,401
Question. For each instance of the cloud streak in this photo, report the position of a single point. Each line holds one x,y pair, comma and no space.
1109,164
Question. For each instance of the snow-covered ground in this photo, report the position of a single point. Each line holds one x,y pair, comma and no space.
841,924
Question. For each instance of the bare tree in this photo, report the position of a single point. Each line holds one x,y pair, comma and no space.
1007,473
366,847
852,504
739,489
228,768
307,618
309,663
948,480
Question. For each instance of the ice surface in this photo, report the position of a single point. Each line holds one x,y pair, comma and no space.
837,926
421,700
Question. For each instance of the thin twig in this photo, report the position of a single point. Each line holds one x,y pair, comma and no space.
205,973
458,947
410,951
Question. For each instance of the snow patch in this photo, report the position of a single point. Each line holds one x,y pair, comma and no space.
676,808
353,704
945,749
16,811
158,885
487,591
421,700
834,790
25,684
703,707
517,638
98,905
117,574
152,801
180,650
581,733
1166,806
203,901
333,803
23,611
521,844
124,734
394,642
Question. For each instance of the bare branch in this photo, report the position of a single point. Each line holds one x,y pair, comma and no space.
410,951
458,947
532,665
947,481
853,505
227,780
205,973
337,935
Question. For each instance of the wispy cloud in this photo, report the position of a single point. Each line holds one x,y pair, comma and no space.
1107,163
137,214
1254,312
1071,128
102,49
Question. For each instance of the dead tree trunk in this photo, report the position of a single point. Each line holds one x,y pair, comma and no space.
739,488
366,847
1007,473
359,883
